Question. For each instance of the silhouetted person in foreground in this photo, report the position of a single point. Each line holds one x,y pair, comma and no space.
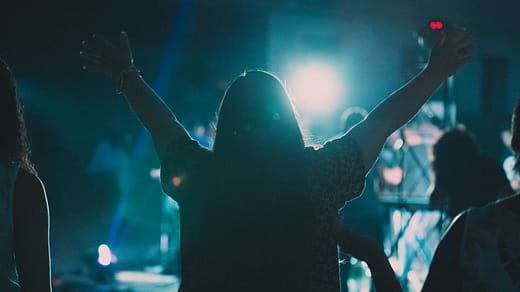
24,213
259,211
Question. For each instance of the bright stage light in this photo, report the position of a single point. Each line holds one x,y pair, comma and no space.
316,86
143,277
105,256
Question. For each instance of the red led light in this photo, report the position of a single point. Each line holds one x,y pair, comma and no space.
436,25
176,181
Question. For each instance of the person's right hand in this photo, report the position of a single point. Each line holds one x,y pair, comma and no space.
451,53
105,57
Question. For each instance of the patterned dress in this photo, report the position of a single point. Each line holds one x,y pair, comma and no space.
260,228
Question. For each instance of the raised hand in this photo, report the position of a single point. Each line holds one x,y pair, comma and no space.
450,53
106,57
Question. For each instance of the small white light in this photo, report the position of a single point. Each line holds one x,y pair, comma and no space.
155,173
104,255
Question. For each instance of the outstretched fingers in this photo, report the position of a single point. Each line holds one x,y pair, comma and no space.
124,44
463,46
452,51
91,51
103,56
457,35
90,56
96,45
94,67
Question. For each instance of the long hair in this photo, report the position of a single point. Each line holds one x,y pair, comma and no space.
257,115
454,151
455,164
14,144
464,176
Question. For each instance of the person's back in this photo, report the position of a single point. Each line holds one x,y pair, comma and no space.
240,204
256,225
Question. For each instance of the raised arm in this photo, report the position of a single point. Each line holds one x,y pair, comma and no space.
117,61
446,58
31,233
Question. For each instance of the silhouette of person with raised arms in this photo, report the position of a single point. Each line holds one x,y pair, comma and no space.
259,211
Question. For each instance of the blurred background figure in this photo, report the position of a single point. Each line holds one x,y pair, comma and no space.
111,161
24,213
464,177
109,172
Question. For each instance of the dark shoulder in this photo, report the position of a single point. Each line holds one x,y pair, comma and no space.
455,232
491,169
29,196
28,183
511,203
